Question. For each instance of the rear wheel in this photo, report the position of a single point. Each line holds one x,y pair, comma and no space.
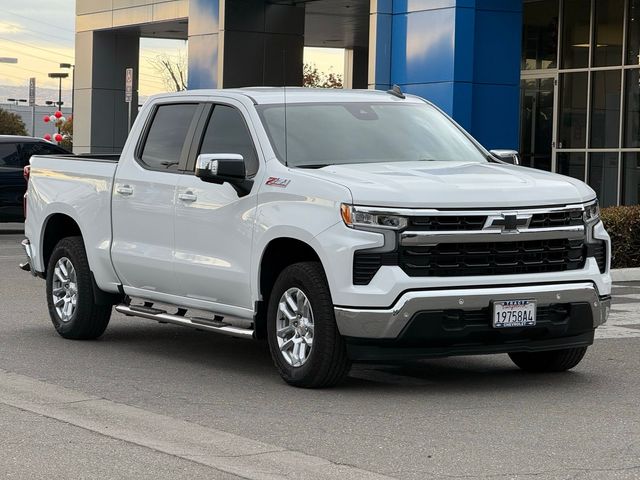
303,338
70,293
552,361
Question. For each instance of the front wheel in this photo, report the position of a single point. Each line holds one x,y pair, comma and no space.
303,338
70,295
552,361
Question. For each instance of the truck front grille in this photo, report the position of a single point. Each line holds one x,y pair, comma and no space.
564,218
453,223
493,258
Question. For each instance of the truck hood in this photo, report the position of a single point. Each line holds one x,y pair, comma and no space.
454,185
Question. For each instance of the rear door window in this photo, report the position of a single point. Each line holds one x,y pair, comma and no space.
166,136
9,157
27,150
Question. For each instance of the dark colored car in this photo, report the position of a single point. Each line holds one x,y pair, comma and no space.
15,153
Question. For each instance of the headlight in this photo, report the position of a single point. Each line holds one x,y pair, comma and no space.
355,217
592,213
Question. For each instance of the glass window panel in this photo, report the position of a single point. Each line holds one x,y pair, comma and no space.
536,122
632,108
575,33
605,109
167,135
572,128
631,179
227,132
633,33
9,156
603,177
540,34
571,164
608,33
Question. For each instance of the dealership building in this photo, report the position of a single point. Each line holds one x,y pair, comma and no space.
558,80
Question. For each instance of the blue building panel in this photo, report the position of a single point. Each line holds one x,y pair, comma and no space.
203,61
495,115
203,43
463,55
422,49
497,46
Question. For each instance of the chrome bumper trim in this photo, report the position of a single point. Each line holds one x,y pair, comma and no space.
389,323
434,238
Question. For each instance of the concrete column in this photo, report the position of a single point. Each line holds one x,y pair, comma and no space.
101,60
260,44
380,21
464,55
204,20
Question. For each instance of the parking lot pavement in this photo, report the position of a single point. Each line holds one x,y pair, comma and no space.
165,402
624,320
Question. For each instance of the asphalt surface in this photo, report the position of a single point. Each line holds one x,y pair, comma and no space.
160,401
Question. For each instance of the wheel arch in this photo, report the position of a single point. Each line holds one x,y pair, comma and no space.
277,255
56,227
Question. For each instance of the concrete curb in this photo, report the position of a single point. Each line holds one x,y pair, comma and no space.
625,274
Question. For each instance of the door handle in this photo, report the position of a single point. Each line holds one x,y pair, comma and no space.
188,196
124,190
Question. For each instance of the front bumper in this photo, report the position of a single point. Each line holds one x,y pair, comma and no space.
388,323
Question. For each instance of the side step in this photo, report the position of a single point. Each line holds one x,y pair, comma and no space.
211,325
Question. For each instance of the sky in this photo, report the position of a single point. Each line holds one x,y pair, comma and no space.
40,34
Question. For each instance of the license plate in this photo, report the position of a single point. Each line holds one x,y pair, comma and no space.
514,313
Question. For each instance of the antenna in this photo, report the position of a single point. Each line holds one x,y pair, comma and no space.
284,93
396,92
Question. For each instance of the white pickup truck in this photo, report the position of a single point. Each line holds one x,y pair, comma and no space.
340,226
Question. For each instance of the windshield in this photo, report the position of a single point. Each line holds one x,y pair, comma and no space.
321,134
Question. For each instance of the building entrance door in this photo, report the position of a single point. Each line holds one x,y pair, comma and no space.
537,126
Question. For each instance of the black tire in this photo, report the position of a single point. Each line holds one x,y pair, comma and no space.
89,320
327,363
552,361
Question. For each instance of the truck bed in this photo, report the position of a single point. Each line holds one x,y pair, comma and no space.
80,189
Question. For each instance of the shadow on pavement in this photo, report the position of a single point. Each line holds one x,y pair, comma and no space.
201,353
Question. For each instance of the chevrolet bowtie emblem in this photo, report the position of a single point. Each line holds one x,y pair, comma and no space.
508,222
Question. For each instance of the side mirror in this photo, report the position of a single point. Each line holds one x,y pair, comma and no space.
224,168
507,156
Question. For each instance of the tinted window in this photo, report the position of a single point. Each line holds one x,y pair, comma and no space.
575,34
343,133
227,133
167,135
540,35
40,148
9,156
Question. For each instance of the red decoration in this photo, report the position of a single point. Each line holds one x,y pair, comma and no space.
58,114
46,119
47,137
57,137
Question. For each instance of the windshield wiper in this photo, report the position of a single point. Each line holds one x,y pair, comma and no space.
314,165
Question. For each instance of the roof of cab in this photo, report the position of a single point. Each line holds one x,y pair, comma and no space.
271,95
19,139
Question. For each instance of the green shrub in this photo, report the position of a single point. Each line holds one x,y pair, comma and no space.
623,224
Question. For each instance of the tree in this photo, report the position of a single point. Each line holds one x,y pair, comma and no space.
66,129
172,70
11,124
312,77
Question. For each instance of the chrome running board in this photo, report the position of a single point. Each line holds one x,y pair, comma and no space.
211,325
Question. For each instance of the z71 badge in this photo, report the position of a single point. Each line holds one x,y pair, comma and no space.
278,182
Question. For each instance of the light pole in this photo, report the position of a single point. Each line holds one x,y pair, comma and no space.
73,82
59,76
17,100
